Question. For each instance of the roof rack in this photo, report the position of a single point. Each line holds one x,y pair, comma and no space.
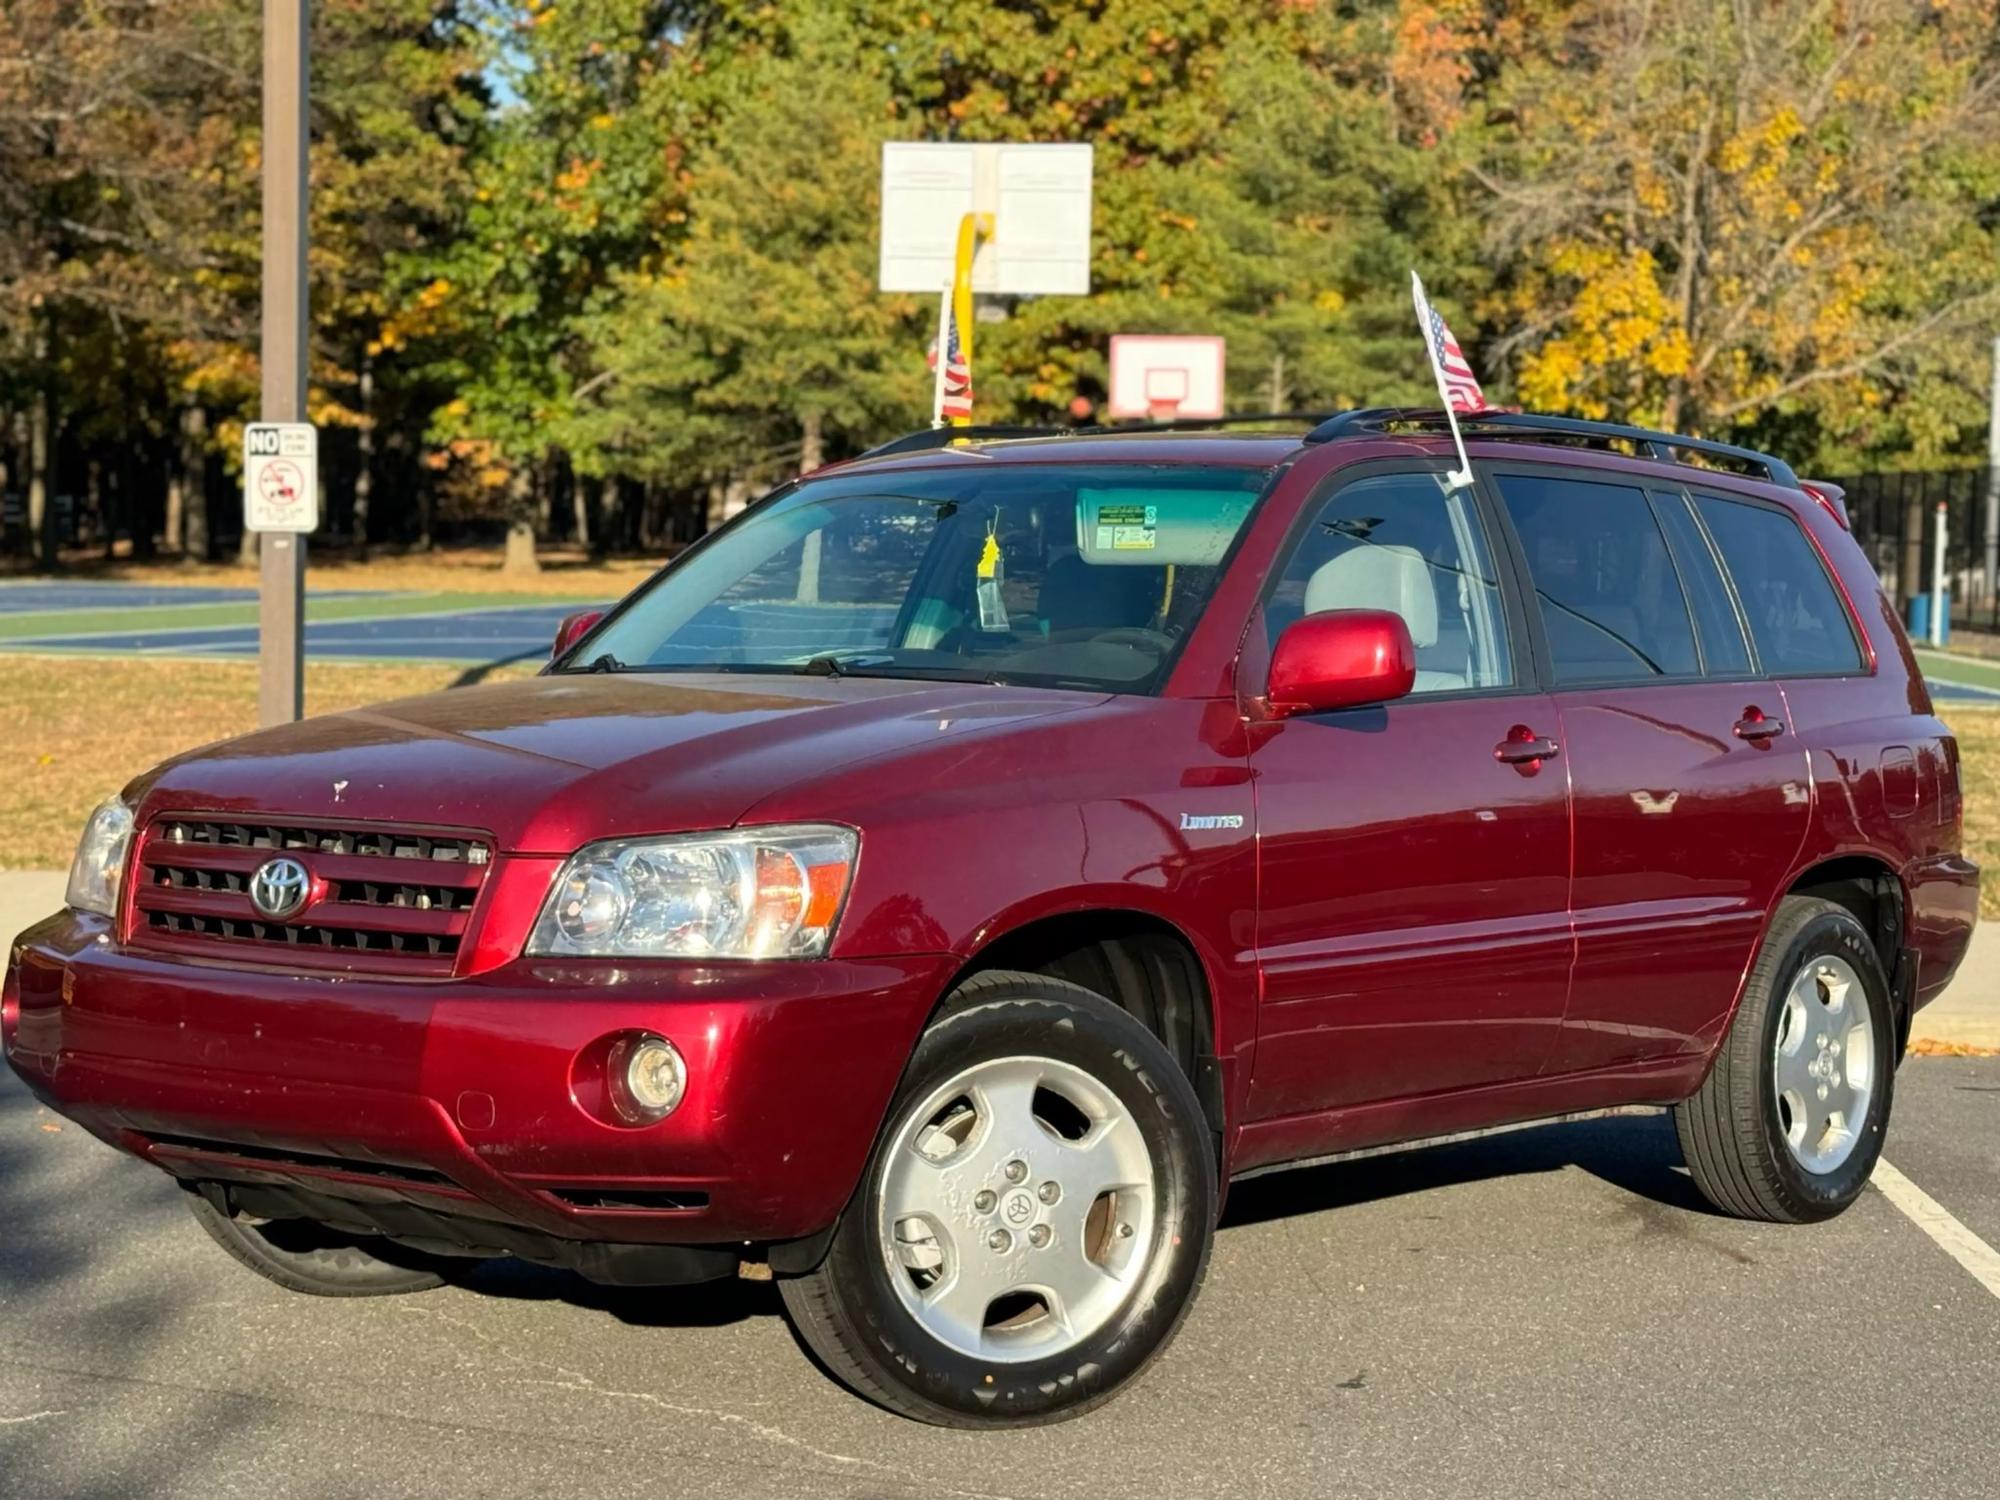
1535,427
925,438
943,437
1207,424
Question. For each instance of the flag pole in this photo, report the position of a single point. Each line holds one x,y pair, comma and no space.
943,339
1461,477
972,228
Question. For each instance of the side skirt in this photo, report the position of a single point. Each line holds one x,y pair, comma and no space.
1463,1114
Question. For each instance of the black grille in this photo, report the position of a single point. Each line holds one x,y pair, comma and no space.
384,843
302,935
305,1160
396,899
411,897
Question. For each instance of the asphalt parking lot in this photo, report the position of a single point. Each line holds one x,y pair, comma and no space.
1552,1312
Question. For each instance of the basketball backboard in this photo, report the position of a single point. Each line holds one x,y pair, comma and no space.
1166,376
1039,196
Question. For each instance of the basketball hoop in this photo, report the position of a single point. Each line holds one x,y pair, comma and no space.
1166,389
1166,377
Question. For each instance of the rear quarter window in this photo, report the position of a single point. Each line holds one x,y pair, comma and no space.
1796,619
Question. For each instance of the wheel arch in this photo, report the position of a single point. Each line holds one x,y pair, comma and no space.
1869,887
1141,962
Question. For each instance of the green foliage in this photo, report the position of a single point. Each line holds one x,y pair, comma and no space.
563,241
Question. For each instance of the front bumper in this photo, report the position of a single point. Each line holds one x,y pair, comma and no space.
455,1098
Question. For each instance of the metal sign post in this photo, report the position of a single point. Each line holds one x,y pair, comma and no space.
281,644
1993,479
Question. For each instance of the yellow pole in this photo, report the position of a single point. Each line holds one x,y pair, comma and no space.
971,230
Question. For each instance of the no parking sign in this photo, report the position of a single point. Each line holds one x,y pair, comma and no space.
281,476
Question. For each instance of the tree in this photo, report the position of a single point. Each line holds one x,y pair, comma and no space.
759,338
1751,218
565,192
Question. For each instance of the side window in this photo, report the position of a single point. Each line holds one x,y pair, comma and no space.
1400,542
1796,618
1611,602
1724,653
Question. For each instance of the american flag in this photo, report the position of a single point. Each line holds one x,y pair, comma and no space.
955,395
1460,385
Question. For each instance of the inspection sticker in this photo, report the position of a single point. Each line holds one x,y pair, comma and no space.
1127,528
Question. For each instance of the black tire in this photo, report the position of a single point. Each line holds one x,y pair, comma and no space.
305,1257
1731,1131
850,1315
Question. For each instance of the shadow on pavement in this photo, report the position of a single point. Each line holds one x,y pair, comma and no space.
708,1304
1637,1153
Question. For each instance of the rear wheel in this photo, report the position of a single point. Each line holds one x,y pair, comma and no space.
1790,1120
305,1257
1035,1220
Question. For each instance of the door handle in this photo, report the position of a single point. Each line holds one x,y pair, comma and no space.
1524,748
1756,727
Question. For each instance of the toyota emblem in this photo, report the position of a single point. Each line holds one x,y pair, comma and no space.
280,887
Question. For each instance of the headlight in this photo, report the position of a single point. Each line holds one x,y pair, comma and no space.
753,893
100,859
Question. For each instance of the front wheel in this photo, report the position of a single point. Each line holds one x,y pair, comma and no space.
1034,1222
1790,1120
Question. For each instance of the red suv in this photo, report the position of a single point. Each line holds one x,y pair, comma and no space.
939,883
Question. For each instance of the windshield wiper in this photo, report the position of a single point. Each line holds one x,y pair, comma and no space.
606,663
824,665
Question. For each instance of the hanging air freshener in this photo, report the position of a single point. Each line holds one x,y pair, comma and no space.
990,575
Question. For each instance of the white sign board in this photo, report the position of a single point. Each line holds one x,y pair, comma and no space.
1166,376
281,476
1039,196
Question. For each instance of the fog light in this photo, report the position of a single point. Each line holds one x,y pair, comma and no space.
647,1077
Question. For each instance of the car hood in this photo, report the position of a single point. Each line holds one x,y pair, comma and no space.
547,764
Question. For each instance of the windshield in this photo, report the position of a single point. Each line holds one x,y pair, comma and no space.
1084,576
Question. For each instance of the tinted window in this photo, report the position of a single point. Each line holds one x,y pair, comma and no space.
1723,650
1795,616
1610,599
1400,542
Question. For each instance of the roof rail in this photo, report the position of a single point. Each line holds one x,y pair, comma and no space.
1534,426
925,438
1205,424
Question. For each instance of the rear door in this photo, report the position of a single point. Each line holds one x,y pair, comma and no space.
1691,798
1412,924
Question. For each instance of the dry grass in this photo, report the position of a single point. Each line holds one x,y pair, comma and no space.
1978,731
79,728
466,571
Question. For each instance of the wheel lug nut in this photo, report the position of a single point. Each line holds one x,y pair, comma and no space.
983,1200
1124,1231
1017,1171
1048,1192
1822,1091
1039,1236
1000,1241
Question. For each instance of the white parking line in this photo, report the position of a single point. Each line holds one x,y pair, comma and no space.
1935,1220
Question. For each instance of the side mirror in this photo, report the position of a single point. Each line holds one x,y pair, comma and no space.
1341,658
573,629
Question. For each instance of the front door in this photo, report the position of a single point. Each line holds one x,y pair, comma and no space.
1413,928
